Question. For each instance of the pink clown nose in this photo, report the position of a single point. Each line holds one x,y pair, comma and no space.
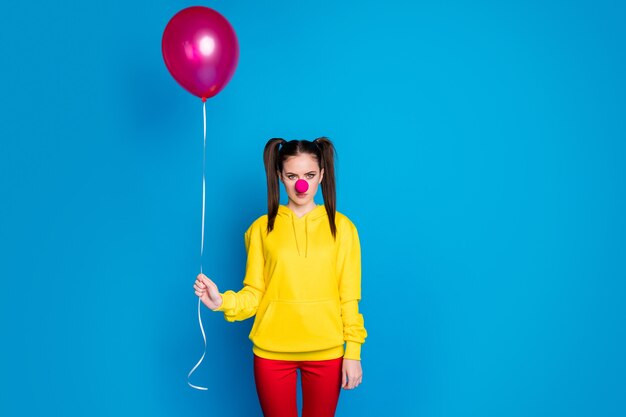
302,186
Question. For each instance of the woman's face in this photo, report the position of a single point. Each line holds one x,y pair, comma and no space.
303,166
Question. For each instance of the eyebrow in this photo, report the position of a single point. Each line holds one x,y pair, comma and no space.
293,173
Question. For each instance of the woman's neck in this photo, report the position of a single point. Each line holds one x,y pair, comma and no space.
301,210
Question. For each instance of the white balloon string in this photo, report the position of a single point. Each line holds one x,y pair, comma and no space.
201,245
203,180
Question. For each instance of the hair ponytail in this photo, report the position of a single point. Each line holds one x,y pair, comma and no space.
271,161
327,162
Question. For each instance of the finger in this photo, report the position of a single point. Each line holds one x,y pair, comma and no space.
344,379
210,284
199,284
211,287
206,280
353,381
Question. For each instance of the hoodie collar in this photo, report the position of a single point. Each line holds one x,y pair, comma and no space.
317,212
288,214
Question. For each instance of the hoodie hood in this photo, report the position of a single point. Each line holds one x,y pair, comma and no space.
301,225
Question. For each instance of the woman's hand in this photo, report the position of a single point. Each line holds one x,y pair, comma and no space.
207,291
351,374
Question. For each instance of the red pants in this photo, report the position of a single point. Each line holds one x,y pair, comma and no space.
276,387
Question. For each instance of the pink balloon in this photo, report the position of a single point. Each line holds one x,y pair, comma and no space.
200,50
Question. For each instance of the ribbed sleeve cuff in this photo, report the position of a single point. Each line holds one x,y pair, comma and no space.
353,351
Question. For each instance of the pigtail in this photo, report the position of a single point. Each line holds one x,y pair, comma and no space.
270,159
327,152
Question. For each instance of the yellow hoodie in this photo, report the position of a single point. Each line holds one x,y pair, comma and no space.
303,286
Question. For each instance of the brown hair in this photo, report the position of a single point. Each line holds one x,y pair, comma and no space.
277,150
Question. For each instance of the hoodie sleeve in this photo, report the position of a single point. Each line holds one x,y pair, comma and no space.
349,269
244,303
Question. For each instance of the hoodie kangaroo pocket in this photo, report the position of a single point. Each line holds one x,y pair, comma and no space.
291,326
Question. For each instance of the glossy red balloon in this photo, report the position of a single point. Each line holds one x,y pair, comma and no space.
200,50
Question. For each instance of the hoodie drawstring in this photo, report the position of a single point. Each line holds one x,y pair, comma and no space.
306,235
312,217
295,236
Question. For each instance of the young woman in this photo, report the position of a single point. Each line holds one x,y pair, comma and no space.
303,283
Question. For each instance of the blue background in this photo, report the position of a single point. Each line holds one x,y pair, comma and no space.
481,155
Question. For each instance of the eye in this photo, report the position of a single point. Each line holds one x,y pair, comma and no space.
309,176
291,177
